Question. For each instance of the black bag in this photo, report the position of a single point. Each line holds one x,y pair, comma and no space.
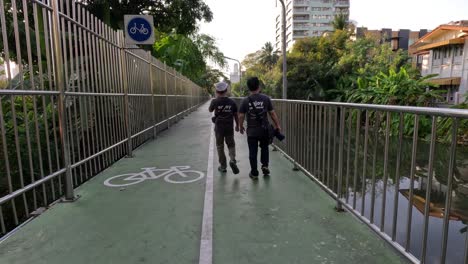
269,129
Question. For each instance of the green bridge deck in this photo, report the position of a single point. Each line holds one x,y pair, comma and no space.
285,218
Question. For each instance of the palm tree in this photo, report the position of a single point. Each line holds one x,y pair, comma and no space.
268,56
340,22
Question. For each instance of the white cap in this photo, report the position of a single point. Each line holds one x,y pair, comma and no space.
221,86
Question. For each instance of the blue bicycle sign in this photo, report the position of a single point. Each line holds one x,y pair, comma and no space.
139,29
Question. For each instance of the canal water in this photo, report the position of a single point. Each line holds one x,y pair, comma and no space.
458,226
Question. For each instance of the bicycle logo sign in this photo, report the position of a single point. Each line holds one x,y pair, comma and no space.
139,29
175,174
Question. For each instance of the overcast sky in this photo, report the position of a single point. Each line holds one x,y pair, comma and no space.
243,26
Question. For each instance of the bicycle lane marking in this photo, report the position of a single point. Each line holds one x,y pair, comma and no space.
149,174
206,242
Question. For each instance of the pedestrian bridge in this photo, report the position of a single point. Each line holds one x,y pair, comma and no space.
107,156
285,218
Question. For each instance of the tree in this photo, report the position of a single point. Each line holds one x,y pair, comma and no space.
312,64
207,46
188,55
268,56
180,16
340,22
181,53
209,78
264,65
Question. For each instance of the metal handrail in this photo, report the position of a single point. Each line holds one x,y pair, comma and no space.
323,139
446,112
88,103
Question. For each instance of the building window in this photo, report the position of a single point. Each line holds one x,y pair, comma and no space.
420,59
436,54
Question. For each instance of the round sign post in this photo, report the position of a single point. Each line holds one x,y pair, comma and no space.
139,30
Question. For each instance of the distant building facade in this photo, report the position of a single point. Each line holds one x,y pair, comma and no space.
444,52
235,76
308,18
399,39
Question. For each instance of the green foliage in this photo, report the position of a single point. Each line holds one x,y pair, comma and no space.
179,16
264,64
209,78
268,56
181,53
340,22
394,88
190,56
312,71
444,126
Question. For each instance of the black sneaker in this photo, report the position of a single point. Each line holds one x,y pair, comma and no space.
222,169
265,171
234,167
253,175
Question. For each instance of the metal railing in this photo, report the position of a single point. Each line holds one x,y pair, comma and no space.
371,159
74,101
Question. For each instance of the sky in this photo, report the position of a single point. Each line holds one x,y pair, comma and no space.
244,26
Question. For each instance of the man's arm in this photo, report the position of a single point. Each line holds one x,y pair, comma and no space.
241,122
273,115
236,119
212,107
244,107
275,119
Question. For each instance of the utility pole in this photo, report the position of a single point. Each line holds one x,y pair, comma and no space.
285,65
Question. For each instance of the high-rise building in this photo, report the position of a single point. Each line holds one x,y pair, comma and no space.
235,75
308,18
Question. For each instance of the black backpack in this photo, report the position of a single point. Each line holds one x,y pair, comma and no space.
259,116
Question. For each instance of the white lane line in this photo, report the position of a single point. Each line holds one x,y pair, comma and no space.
206,243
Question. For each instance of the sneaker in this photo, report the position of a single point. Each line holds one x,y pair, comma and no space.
253,175
222,169
265,171
234,167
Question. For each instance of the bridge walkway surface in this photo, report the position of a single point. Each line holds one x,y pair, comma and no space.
285,218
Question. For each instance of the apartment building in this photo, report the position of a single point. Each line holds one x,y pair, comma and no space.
399,39
444,52
308,18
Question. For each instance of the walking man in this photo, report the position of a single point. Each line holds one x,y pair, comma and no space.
256,108
225,113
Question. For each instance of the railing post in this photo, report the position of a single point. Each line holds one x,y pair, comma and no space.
153,114
176,97
339,207
61,104
430,175
167,96
123,74
466,248
296,138
448,199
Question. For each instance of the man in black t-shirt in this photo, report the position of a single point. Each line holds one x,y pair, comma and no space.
255,108
225,113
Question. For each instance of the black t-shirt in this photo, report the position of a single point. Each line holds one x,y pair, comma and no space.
224,108
262,105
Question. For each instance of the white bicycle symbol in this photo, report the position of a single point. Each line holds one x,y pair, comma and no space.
142,30
153,173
